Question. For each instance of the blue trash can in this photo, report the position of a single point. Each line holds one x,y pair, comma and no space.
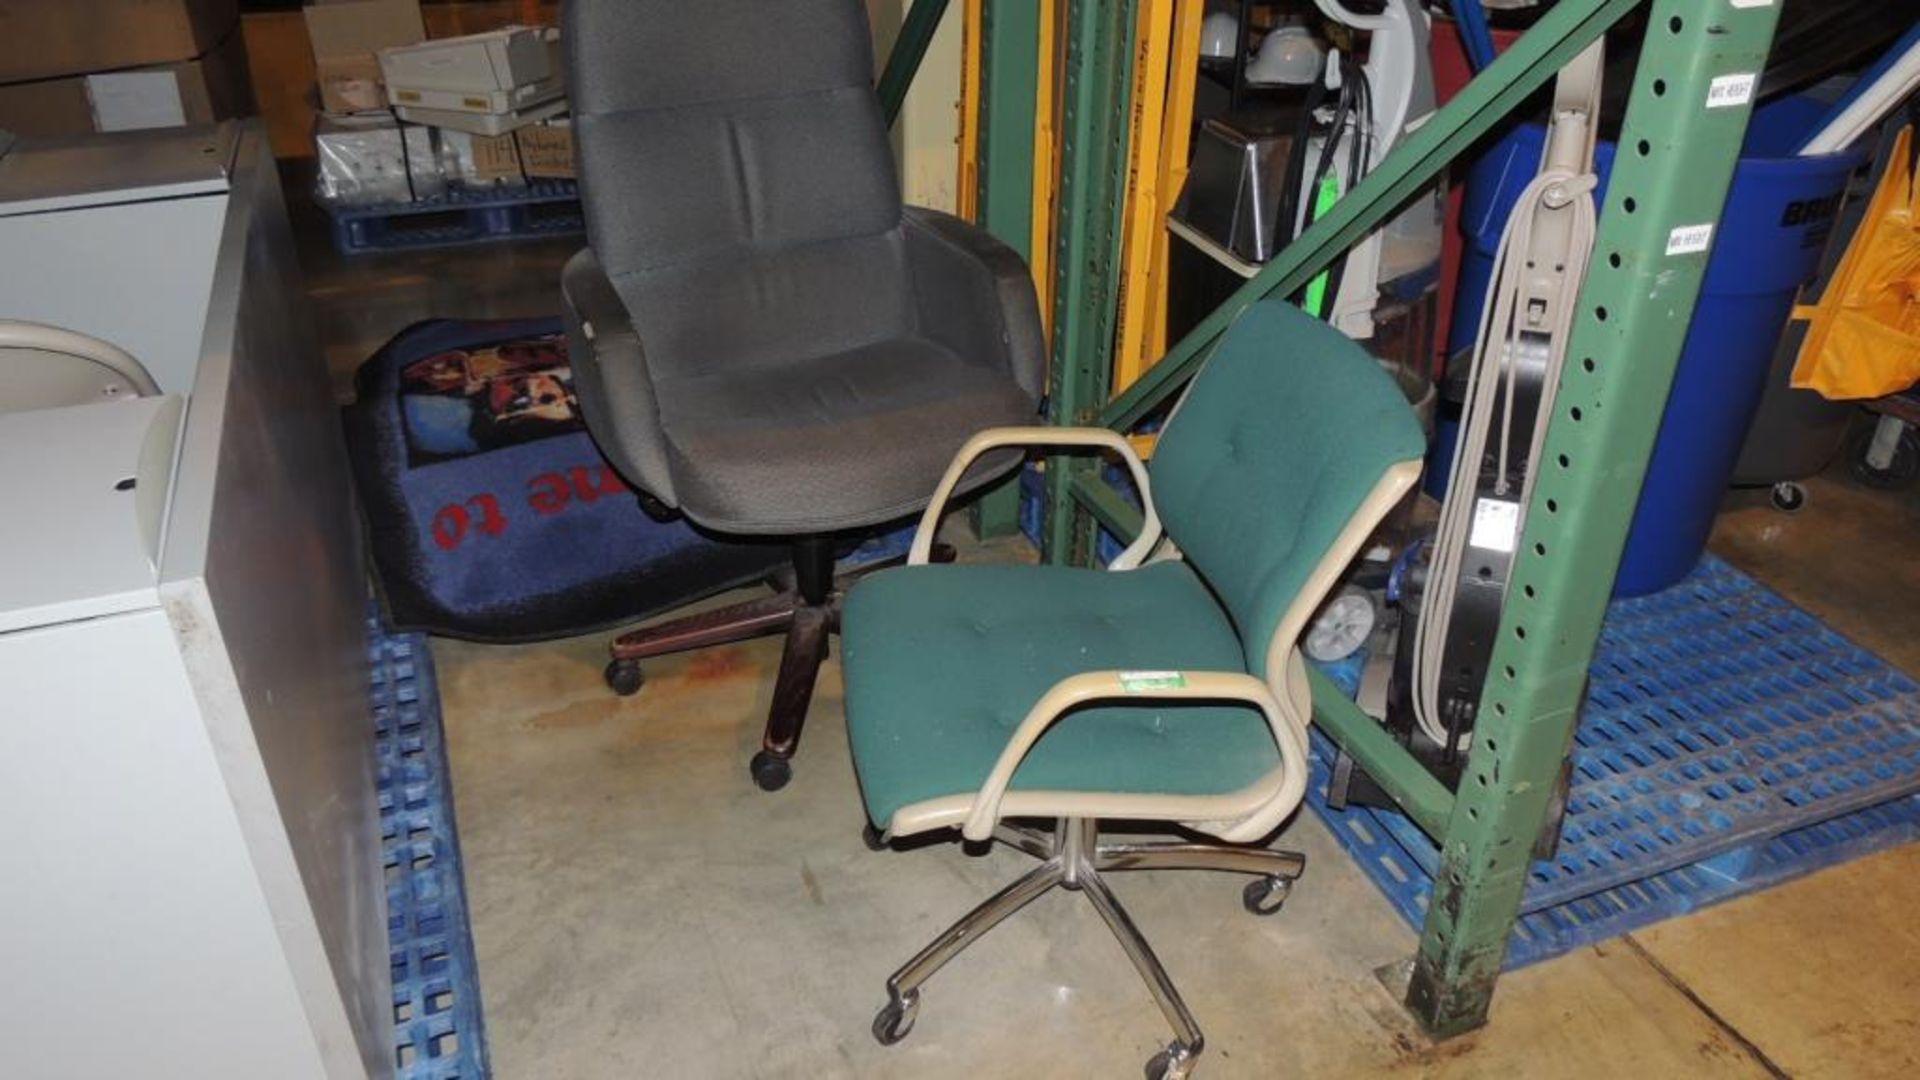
1776,221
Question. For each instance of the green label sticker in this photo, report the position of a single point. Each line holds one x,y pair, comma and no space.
1142,682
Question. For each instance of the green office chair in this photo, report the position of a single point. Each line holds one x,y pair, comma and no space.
1167,688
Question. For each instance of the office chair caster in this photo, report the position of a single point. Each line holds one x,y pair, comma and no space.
769,772
895,1019
1267,895
1173,1063
1788,497
1901,463
873,838
656,510
624,677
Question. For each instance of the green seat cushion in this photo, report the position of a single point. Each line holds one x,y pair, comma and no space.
943,662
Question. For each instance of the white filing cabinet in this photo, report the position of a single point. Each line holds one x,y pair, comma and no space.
190,878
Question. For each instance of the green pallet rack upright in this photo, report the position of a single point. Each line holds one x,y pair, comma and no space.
1096,85
1692,90
1010,71
1010,68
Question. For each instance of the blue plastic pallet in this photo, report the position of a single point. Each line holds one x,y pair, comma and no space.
439,1033
878,549
542,208
1730,741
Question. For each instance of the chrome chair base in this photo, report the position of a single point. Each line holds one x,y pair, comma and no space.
1073,858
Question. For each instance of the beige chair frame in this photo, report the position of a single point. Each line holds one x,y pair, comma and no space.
45,367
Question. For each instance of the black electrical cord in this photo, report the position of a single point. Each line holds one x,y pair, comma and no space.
1358,150
406,158
1352,122
1287,219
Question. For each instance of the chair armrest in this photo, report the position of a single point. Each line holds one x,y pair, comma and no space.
1289,732
1041,435
611,376
975,296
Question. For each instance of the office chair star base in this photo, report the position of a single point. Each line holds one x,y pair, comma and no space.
1073,858
806,609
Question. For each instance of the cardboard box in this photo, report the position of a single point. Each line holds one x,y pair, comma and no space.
476,63
490,103
481,123
546,151
480,161
496,158
350,84
501,71
48,39
347,37
213,87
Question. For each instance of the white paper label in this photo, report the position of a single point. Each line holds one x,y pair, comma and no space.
1495,525
1728,90
132,100
1752,3
1688,239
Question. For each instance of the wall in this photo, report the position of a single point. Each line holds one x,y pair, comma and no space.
926,138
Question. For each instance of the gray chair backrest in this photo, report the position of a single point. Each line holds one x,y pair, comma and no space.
738,182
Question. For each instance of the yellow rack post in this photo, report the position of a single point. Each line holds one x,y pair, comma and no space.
967,196
1046,163
1176,143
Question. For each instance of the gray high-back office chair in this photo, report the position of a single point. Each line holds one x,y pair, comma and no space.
762,338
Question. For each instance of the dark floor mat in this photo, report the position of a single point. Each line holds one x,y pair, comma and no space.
492,515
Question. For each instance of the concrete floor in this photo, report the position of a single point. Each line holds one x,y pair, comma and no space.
642,910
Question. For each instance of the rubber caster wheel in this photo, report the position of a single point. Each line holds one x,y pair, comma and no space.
1902,469
769,771
1173,1063
873,838
625,678
1788,497
895,1019
655,509
1267,895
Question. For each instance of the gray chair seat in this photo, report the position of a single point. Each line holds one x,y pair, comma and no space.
834,441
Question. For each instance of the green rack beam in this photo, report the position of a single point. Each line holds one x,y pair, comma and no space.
1010,86
1423,798
1699,62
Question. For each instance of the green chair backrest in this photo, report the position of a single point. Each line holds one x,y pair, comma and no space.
1283,435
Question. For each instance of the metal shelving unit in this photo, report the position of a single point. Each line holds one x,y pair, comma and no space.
1679,145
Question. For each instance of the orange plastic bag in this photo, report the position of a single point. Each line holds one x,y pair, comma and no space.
1863,337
